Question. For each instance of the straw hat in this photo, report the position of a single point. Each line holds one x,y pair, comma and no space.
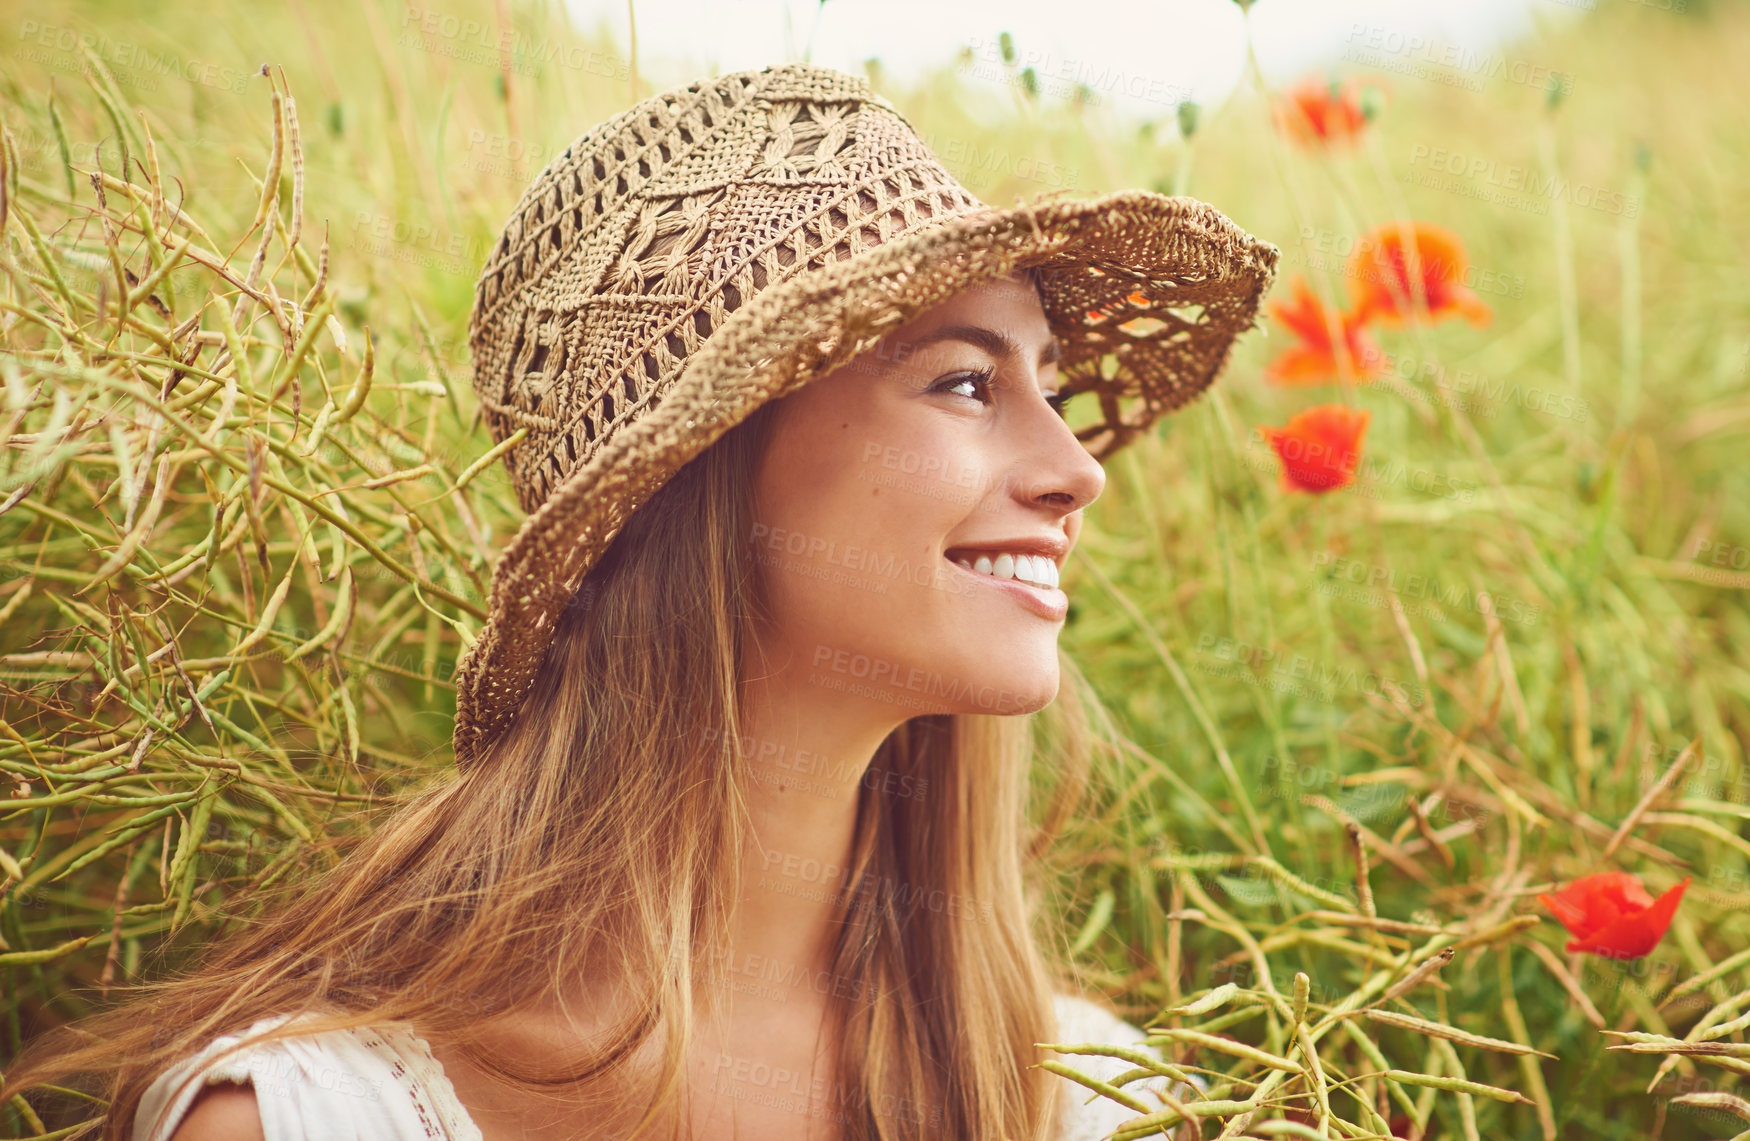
796,219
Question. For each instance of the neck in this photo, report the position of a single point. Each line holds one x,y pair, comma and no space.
807,752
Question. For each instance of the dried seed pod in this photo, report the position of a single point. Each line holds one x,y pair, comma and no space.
270,180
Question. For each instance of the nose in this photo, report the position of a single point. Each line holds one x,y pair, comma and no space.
1053,468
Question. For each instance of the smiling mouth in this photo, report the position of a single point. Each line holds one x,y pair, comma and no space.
1047,602
1032,570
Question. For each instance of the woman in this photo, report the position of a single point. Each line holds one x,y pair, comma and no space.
737,841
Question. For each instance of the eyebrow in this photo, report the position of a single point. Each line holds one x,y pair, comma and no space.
993,341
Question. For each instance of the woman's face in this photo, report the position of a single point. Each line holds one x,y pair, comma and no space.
937,448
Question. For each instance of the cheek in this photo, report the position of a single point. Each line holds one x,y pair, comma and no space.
856,467
904,495
812,488
848,539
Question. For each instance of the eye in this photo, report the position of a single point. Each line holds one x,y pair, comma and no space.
979,377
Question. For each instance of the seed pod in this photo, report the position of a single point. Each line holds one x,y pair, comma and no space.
1451,1033
182,876
360,387
124,553
297,148
1128,1100
61,143
337,622
1208,1002
490,457
1414,979
270,182
1458,1085
1227,1046
268,612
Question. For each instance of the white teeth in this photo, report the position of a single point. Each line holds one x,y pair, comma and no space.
1034,569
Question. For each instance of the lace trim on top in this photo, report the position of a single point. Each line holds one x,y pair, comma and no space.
418,1072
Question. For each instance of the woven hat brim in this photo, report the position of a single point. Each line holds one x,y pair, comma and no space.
802,327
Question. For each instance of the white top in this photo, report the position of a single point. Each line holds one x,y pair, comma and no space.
383,1084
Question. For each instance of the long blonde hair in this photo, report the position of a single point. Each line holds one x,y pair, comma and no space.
603,830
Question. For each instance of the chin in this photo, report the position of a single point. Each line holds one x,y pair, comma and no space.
1000,680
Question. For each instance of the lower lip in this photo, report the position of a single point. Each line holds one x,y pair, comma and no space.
1049,603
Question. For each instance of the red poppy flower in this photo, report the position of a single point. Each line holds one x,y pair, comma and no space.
1320,447
1320,112
1611,914
1386,270
1316,358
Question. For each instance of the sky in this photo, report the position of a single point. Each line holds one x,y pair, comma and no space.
1143,56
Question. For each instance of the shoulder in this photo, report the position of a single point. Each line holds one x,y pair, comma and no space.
222,1113
1086,1115
172,1094
1081,1019
370,1082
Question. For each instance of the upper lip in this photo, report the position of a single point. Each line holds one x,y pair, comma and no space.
1053,547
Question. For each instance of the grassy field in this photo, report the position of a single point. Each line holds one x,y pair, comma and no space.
243,533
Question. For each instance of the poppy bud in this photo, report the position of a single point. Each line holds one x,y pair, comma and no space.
1188,112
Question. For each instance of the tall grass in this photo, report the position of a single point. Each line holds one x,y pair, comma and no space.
244,532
